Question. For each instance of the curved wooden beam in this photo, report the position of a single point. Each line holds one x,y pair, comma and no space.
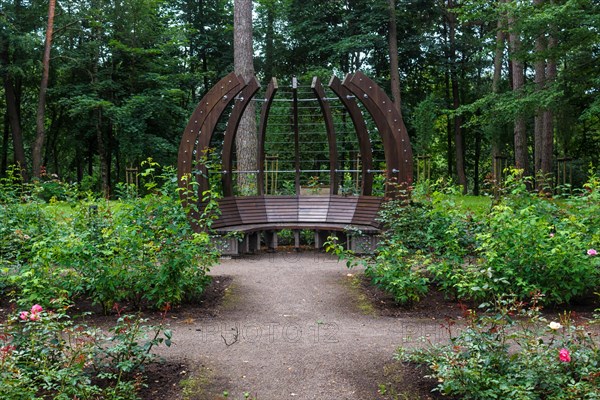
317,88
389,143
390,124
206,132
233,123
185,162
264,115
364,144
395,122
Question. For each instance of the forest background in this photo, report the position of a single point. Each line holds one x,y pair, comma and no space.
480,80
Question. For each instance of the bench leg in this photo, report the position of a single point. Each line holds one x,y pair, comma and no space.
296,240
320,239
271,241
246,243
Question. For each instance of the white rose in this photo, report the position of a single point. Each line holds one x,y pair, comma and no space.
554,326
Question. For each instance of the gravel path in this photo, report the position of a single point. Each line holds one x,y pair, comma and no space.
291,327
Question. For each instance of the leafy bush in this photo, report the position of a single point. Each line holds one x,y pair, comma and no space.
415,233
528,244
45,355
515,354
137,250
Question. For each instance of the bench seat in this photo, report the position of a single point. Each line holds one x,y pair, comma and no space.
255,214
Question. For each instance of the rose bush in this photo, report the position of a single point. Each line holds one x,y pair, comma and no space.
44,354
515,354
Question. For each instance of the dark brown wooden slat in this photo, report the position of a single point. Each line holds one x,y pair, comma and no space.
362,133
232,126
248,214
264,115
318,90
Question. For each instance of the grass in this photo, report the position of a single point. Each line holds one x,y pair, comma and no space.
478,205
361,300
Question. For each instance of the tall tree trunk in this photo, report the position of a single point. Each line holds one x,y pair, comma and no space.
269,42
498,61
449,130
5,134
246,138
98,122
520,132
548,134
393,49
12,109
540,78
458,135
40,136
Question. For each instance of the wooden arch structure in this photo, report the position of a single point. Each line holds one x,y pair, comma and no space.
252,214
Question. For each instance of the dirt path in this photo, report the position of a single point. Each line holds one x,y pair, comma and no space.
292,327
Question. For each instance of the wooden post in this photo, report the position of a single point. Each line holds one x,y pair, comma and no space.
564,165
296,133
132,178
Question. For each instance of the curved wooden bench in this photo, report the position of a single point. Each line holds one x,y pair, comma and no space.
255,214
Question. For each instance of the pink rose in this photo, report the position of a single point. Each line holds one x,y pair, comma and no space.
24,315
592,252
34,317
564,355
36,309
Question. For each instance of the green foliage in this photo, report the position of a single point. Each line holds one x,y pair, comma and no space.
514,354
46,355
397,274
526,245
139,250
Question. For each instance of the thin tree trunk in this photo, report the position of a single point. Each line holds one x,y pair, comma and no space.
393,49
40,136
540,78
104,168
6,133
90,160
448,120
98,122
548,134
12,109
477,162
520,133
458,135
246,138
498,61
12,105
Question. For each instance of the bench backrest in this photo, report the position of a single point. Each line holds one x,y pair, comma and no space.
344,210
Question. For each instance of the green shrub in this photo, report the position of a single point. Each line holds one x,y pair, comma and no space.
528,244
514,354
140,250
45,355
